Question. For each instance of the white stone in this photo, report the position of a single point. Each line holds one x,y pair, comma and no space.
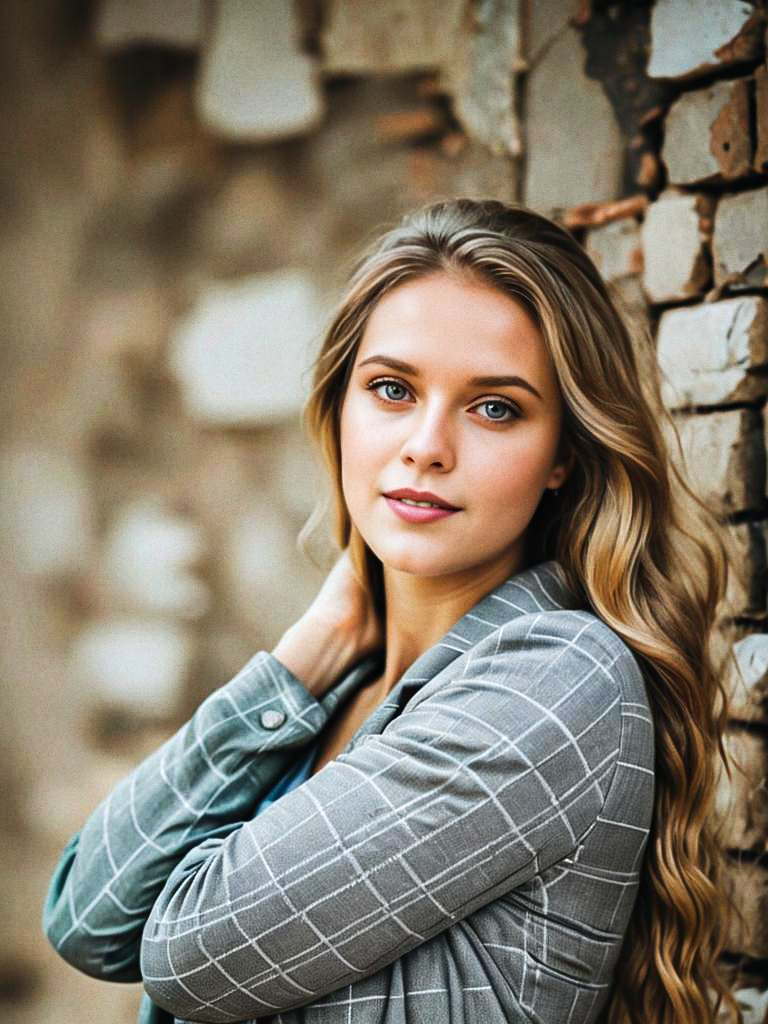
754,1005
674,259
255,83
176,23
360,37
686,33
574,145
687,149
482,78
242,354
740,242
46,509
751,660
149,563
705,351
721,452
615,248
134,664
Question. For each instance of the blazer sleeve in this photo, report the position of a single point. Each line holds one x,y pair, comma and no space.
483,780
205,781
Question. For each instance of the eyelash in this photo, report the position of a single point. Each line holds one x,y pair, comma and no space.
379,382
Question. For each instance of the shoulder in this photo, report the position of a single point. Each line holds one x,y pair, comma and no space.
560,672
555,677
562,647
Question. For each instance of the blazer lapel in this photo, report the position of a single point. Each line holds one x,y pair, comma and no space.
540,588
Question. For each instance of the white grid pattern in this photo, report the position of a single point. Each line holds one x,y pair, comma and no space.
479,836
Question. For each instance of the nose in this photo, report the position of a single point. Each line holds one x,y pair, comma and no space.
430,443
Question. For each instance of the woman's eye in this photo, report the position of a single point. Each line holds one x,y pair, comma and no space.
389,390
498,411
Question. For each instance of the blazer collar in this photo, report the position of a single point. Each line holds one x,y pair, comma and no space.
540,588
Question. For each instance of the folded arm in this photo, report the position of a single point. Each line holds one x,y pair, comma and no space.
200,784
480,783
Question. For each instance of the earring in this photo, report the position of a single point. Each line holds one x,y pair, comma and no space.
555,492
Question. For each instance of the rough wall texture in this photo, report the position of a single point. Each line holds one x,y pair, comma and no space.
185,185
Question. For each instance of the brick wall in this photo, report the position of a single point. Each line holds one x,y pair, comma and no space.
186,186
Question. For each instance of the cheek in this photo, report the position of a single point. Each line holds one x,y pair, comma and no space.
347,452
357,455
514,476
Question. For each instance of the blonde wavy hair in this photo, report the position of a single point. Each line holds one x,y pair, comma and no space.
635,545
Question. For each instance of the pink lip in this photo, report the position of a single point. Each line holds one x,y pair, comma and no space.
415,514
408,492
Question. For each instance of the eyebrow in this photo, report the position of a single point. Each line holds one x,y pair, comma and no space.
500,381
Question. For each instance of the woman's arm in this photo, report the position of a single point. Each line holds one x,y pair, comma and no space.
200,783
204,782
482,781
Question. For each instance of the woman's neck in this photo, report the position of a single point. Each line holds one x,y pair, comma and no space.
421,610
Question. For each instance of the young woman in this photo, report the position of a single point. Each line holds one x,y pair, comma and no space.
473,782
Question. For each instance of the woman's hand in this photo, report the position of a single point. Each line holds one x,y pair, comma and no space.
338,629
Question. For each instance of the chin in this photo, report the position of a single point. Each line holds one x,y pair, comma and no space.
418,563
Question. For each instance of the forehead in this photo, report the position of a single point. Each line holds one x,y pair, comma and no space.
457,322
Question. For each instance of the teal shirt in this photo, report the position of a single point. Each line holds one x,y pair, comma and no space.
149,1013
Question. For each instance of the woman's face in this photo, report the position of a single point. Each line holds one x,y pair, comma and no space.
452,393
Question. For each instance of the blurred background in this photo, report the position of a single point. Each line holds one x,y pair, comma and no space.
185,185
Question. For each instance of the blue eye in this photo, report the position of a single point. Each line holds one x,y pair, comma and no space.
393,391
498,411
388,390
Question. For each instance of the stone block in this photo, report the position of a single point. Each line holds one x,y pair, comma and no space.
747,885
708,353
615,249
747,577
242,354
707,135
724,455
730,137
175,23
136,665
746,679
690,37
675,260
255,83
482,76
753,1003
46,509
569,124
740,243
741,801
761,119
364,38
149,563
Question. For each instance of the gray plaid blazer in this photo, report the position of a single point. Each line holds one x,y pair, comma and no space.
471,856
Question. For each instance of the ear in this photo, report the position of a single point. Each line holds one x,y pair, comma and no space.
560,472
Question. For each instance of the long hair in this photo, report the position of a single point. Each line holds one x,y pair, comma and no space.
634,543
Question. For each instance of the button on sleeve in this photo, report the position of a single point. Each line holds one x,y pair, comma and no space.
272,718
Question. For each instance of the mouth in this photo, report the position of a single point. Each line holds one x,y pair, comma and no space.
420,499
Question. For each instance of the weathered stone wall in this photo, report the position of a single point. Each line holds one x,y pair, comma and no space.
186,184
